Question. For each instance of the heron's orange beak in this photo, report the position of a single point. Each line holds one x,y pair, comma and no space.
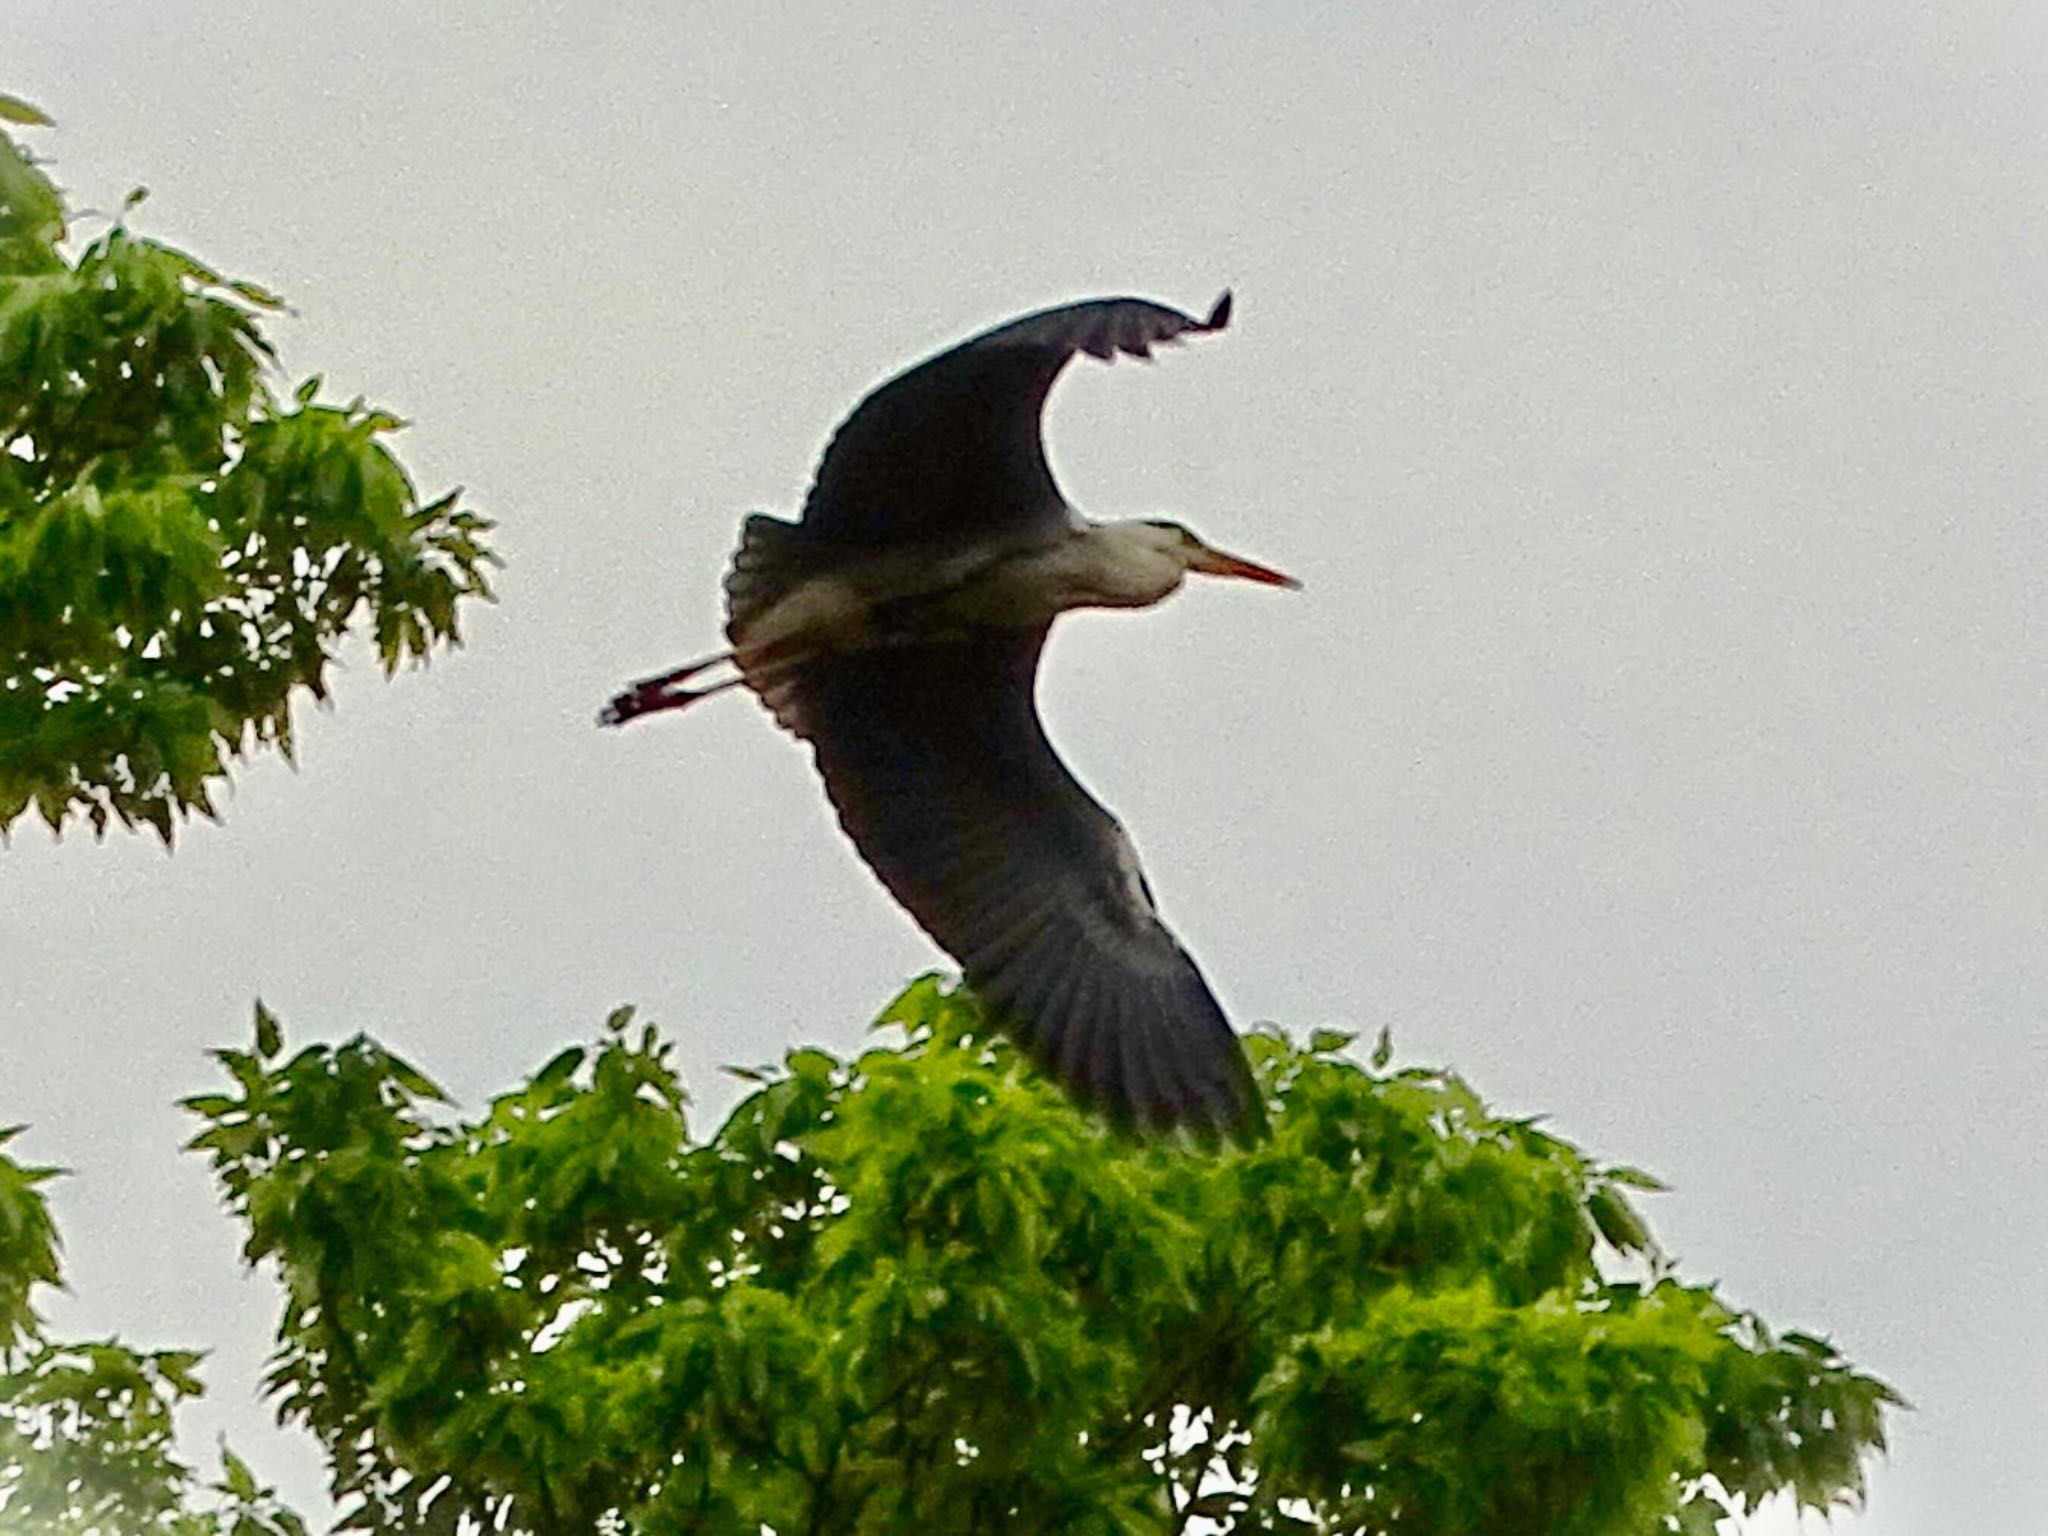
1213,562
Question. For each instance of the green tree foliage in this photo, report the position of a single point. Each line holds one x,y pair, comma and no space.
919,1291
86,1431
28,1247
181,549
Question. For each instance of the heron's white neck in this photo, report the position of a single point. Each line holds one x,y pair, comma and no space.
1128,565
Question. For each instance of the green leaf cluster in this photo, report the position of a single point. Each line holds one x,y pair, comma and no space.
87,1444
181,550
28,1247
918,1290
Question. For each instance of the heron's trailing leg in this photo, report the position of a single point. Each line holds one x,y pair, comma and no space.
682,674
652,694
660,692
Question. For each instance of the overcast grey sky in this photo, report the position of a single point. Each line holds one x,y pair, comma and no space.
1652,396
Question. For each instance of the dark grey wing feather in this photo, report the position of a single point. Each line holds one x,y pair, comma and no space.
941,773
951,449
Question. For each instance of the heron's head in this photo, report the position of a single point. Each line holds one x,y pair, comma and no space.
1181,544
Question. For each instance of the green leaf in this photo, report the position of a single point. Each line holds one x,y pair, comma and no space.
1636,1178
262,298
812,1066
179,1368
1617,1221
14,110
917,1006
1327,1042
237,1478
560,1067
415,1083
269,1038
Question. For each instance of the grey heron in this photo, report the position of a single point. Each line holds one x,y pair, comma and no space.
896,628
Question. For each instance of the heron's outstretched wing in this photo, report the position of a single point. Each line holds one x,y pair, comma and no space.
942,775
950,450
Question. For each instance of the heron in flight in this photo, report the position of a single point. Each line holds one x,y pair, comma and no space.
897,628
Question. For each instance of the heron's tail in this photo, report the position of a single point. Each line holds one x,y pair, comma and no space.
767,564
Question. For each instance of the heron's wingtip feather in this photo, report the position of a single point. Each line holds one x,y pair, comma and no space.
1144,1052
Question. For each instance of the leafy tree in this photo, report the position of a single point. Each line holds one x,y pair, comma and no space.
86,1445
919,1291
181,550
